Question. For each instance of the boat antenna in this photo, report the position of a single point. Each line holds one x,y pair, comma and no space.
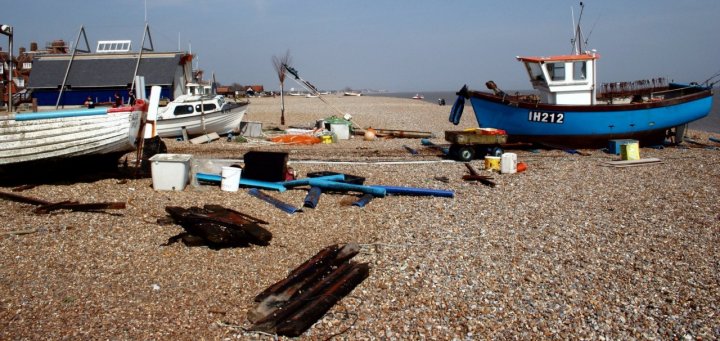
708,82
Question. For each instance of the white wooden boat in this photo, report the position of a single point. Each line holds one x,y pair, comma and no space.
64,134
199,115
352,93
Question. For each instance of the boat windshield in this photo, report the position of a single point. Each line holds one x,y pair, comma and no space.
535,71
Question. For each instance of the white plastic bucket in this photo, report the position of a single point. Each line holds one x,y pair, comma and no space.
508,163
341,130
230,181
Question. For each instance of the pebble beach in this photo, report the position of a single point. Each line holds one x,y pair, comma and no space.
568,249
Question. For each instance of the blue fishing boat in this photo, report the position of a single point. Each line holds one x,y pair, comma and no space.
567,110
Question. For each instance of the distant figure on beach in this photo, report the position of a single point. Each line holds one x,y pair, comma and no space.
89,103
118,100
441,101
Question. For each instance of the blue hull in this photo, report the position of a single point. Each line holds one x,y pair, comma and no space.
579,125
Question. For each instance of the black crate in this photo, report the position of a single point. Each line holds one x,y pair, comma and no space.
265,166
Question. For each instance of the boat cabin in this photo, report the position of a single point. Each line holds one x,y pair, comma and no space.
567,79
197,89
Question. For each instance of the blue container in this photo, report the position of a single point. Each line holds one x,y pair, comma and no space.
614,145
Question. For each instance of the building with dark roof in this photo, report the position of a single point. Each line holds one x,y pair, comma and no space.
101,75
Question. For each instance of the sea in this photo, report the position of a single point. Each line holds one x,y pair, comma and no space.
710,123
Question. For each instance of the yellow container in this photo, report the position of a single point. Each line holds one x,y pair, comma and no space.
492,163
326,139
630,151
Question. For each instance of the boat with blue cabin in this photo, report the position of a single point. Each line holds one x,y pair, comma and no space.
567,110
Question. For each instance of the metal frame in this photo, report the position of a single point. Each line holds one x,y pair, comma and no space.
8,31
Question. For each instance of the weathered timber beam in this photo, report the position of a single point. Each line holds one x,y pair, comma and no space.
300,279
75,206
485,180
23,199
269,323
313,310
472,170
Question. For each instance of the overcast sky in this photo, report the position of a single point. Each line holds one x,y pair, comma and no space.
400,45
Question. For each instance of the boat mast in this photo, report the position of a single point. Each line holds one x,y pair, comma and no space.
577,40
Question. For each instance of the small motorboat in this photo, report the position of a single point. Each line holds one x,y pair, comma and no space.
418,96
200,114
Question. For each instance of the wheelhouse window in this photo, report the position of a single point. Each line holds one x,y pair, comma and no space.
556,71
183,110
535,71
206,107
579,71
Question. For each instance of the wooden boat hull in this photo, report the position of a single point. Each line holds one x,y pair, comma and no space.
43,138
589,125
198,124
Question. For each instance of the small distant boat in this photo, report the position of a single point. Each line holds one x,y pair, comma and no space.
311,96
352,93
569,112
418,96
199,114
63,134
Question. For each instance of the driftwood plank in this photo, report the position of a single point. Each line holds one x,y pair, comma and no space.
23,199
631,163
485,180
75,206
472,170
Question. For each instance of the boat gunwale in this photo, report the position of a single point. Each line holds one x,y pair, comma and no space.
602,107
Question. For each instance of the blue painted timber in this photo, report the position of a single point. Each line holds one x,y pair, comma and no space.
397,190
243,182
60,114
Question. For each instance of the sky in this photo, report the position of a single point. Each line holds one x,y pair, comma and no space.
397,46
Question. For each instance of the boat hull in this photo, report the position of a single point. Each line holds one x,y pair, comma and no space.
56,136
590,125
198,124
